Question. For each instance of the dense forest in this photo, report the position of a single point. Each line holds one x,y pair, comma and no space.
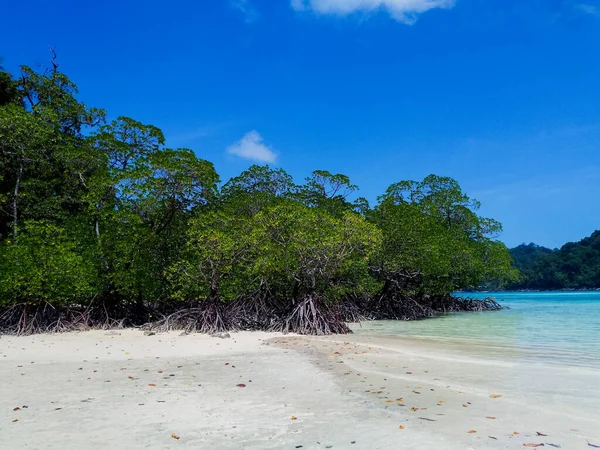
576,265
103,225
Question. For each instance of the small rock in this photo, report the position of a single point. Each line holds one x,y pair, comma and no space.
221,335
149,333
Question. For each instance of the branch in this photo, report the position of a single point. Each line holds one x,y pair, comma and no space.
54,63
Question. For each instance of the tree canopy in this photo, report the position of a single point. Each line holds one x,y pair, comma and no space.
102,224
576,265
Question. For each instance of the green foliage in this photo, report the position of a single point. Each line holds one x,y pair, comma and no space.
326,191
433,237
55,92
47,264
9,93
303,250
576,265
94,211
214,263
256,188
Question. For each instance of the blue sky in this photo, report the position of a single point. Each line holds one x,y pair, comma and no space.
503,95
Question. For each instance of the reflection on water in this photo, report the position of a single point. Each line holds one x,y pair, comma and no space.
550,327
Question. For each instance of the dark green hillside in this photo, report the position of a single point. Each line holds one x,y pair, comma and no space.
576,265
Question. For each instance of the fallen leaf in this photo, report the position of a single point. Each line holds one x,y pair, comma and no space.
241,385
490,417
294,418
515,433
465,406
159,371
540,434
472,431
17,409
441,401
151,384
400,399
389,401
531,444
414,409
57,409
495,396
15,420
401,427
174,436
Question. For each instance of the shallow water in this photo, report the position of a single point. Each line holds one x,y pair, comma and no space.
556,328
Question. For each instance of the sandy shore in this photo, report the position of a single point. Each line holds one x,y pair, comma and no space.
98,390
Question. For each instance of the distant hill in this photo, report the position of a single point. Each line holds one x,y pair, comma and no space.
576,265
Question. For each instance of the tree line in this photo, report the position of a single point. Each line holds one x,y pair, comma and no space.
576,265
102,225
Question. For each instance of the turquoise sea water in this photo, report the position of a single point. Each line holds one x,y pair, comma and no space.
557,328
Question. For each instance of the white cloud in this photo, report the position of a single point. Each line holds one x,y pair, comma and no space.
402,10
252,146
247,9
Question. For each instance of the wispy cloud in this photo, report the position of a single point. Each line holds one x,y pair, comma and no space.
405,11
247,9
252,147
587,8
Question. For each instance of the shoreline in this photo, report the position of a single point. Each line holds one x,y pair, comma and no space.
522,291
93,390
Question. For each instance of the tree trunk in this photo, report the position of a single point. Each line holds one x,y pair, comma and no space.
97,225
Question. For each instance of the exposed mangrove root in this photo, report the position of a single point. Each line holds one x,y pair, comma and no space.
352,310
24,319
310,316
207,317
253,314
403,306
396,307
458,304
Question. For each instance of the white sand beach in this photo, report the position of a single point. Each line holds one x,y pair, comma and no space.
122,389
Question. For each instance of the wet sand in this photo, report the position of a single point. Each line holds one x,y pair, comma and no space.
98,390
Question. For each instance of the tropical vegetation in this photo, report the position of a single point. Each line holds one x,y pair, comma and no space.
103,225
576,265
